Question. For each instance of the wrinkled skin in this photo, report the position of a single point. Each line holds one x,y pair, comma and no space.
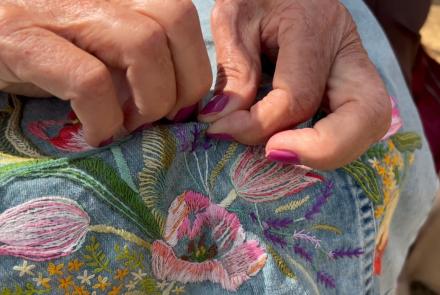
317,53
120,63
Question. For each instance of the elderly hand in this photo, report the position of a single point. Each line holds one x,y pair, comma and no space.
318,53
120,63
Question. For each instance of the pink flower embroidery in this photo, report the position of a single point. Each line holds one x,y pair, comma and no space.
70,137
216,249
43,229
257,179
396,120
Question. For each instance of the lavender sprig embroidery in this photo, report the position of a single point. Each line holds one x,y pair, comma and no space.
278,223
305,236
320,201
327,280
275,239
297,249
346,253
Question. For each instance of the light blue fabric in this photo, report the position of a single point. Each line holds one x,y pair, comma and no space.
317,230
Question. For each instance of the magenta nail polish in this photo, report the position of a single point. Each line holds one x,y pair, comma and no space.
216,105
283,156
106,142
184,113
220,136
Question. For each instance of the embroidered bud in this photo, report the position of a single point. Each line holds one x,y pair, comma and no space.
396,120
257,179
43,229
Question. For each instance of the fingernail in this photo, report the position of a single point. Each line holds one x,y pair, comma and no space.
106,142
216,105
220,136
142,127
283,156
184,113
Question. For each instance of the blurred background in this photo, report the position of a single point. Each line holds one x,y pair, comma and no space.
413,28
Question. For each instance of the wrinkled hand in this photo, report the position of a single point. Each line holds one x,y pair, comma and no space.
120,63
318,53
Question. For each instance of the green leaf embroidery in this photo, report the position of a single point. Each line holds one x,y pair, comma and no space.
327,227
130,258
129,198
149,286
378,151
293,205
367,178
95,257
222,163
407,142
158,152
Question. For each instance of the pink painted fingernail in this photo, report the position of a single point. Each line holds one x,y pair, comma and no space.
216,105
106,142
283,156
220,136
184,113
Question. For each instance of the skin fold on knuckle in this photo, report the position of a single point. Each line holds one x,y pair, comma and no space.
89,81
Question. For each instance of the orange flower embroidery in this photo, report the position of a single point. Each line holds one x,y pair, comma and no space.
55,269
65,283
75,265
115,290
121,274
79,290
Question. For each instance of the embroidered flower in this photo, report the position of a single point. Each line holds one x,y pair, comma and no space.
70,137
216,246
162,285
121,274
139,275
131,285
80,290
257,179
41,281
102,283
115,290
65,283
62,227
396,120
74,265
178,290
24,268
55,269
85,278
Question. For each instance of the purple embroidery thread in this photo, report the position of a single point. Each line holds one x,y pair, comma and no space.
346,253
297,249
327,280
320,201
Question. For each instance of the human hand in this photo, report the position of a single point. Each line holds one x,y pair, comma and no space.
120,63
318,53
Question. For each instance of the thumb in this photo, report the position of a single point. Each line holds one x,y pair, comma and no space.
237,42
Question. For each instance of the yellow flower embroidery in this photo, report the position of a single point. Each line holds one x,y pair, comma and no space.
121,274
74,265
44,282
102,283
387,160
379,211
381,170
54,269
65,283
115,290
79,290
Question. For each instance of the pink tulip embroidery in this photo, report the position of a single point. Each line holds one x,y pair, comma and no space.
43,229
47,228
396,120
70,137
216,248
256,179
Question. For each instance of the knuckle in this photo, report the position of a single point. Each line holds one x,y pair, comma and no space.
185,11
147,37
95,80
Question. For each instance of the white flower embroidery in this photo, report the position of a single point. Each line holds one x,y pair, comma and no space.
131,285
24,268
162,285
85,278
41,281
138,276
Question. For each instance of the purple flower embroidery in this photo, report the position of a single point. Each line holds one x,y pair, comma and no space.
346,253
327,280
320,201
297,249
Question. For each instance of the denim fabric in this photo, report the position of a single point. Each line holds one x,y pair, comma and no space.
168,211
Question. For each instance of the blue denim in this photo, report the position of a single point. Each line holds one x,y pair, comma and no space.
265,228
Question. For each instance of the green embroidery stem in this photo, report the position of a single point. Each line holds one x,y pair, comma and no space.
106,229
230,198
